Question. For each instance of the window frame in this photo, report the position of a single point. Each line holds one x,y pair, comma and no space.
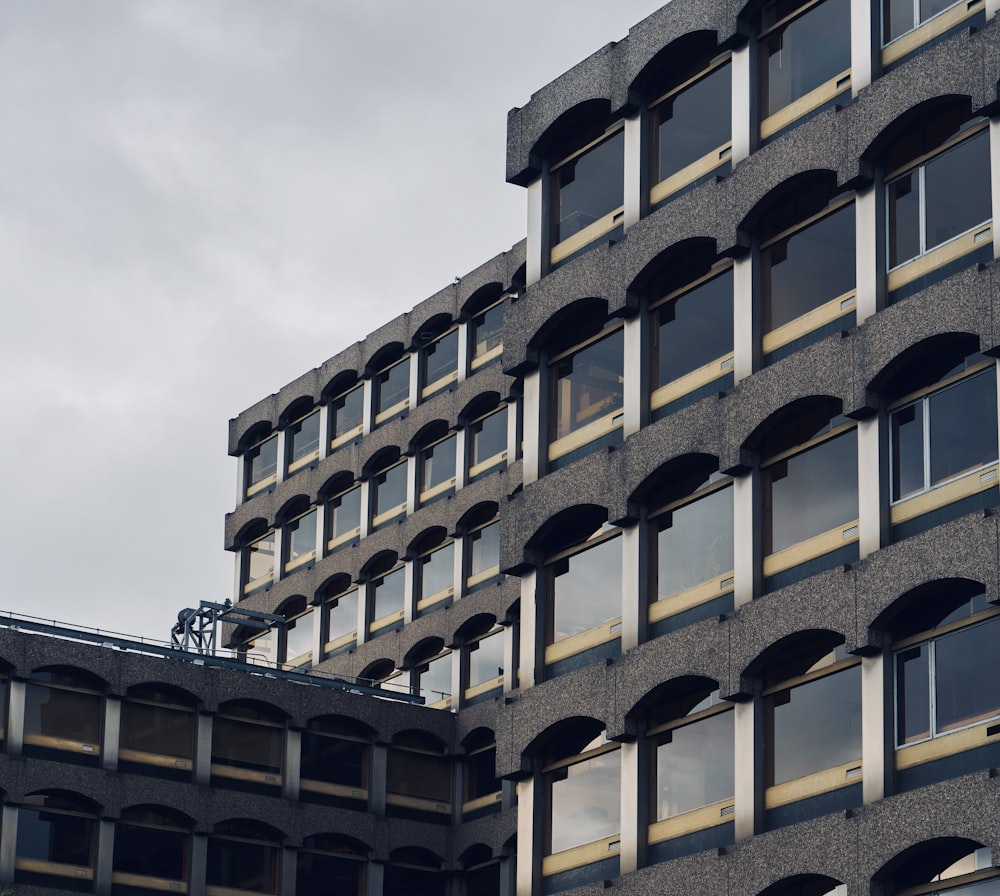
304,659
348,638
50,867
153,882
266,482
339,439
163,760
445,487
425,602
490,683
938,25
307,558
388,413
294,463
429,388
477,359
440,808
420,668
396,511
486,800
494,461
56,742
335,541
330,788
474,580
221,769
381,624
251,586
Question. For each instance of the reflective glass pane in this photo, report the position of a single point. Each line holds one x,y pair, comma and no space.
590,186
913,704
963,426
335,761
897,18
906,433
904,219
55,837
815,726
480,774
695,543
392,386
587,589
262,460
388,594
485,551
694,766
342,617
589,385
585,801
439,464
809,268
320,874
805,54
345,513
68,715
435,679
440,358
695,328
247,745
957,185
489,436
260,558
483,881
419,774
157,729
696,121
485,659
348,411
967,667
437,571
412,882
813,492
487,331
390,488
301,534
304,436
299,636
150,852
242,865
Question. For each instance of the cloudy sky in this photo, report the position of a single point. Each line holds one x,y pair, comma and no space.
200,200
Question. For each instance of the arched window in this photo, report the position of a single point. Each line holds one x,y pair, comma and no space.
806,885
391,388
157,729
335,762
434,573
56,839
388,491
302,438
152,849
347,415
909,25
481,788
257,563
431,673
953,866
414,872
248,746
481,546
343,513
63,711
438,357
260,466
386,585
329,864
242,856
418,778
340,610
437,465
487,442
483,660
486,315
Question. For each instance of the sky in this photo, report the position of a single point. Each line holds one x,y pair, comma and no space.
199,201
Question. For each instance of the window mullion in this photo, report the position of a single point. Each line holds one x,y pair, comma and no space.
931,685
922,187
926,439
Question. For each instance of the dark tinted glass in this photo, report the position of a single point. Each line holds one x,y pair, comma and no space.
486,659
913,707
157,729
319,874
480,774
483,881
247,745
419,775
696,121
590,186
967,667
412,882
333,760
241,865
906,432
54,837
963,426
263,460
70,715
489,436
304,436
393,385
695,328
152,852
441,358
904,219
590,384
958,194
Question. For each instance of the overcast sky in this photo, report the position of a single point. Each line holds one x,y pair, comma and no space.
199,201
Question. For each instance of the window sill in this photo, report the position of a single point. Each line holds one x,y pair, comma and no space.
579,856
300,561
265,484
436,491
157,759
813,785
708,816
380,519
485,575
946,744
215,890
385,622
817,97
390,412
246,774
343,538
691,597
817,546
419,803
692,172
331,789
148,883
342,641
306,460
61,743
497,460
490,354
484,687
346,437
439,384
586,434
811,320
968,484
55,869
436,598
259,584
594,231
483,802
939,256
929,30
697,378
579,642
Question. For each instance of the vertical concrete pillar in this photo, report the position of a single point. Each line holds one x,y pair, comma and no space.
872,515
635,175
514,408
464,355
744,84
534,431
318,631
413,463
105,856
991,10
364,614
377,778
877,713
747,523
461,458
368,406
292,773
457,685
532,632
870,239
375,875
203,751
286,872
415,379
365,499
530,837
511,657
636,374
15,718
635,584
410,590
749,779
634,797
991,7
536,262
282,455
8,843
198,865
746,327
112,733
865,42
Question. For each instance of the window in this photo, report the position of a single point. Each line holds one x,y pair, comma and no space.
482,555
439,363
413,872
387,594
488,444
483,880
805,59
299,639
484,659
435,572
56,838
812,719
341,621
810,483
939,206
437,469
260,466
946,656
242,856
693,542
326,865
585,596
486,335
343,518
588,396
151,850
418,779
909,24
693,764
583,807
299,543
431,679
388,495
943,442
63,711
335,761
158,729
808,273
692,339
392,390
258,564
692,129
481,788
247,746
588,195
302,439
347,416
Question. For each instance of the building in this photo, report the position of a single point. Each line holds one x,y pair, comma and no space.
679,516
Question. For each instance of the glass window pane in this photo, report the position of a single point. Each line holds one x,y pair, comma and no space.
342,617
489,436
695,543
420,775
906,433
589,385
904,219
696,121
262,460
957,185
247,745
299,636
586,589
439,463
301,536
150,852
435,679
585,802
388,594
304,436
390,488
55,837
335,761
440,358
437,571
485,659
913,705
157,729
392,386
813,492
897,18
348,411
345,513
963,426
590,186
695,766
319,874
260,558
485,552
809,268
242,865
68,715
483,881
967,667
487,331
805,54
695,328
815,726
480,774
412,882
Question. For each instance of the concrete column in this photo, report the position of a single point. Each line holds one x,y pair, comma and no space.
293,764
532,633
377,779
511,657
865,43
507,877
991,10
457,689
15,718
374,876
279,552
636,374
364,601
537,244
105,856
8,843
635,584
286,873
461,458
112,733
409,591
870,239
241,472
747,524
746,326
877,713
412,482
463,352
318,631
458,565
282,455
365,499
203,751
634,799
368,402
530,837
872,519
324,429
749,779
991,7
534,428
513,431
635,175
415,384
744,87
199,864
